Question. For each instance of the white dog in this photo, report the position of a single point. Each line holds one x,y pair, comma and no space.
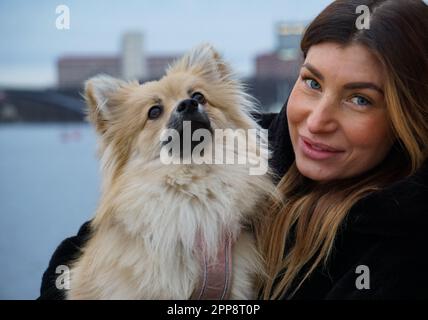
171,231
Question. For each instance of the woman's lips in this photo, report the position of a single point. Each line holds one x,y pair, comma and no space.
317,151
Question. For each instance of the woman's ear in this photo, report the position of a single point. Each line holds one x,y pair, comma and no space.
99,93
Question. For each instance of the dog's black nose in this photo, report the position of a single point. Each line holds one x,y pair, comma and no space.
188,106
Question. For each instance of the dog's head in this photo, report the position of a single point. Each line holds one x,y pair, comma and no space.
130,117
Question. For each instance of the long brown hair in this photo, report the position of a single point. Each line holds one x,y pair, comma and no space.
299,231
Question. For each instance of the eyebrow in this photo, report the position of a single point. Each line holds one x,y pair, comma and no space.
352,85
314,70
363,85
156,99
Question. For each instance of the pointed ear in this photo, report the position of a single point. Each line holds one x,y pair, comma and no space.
205,61
99,92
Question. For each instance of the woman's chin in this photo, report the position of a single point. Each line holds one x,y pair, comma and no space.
316,172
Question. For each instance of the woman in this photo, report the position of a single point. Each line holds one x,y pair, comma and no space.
354,217
350,154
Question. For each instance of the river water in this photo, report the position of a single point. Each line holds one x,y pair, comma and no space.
49,186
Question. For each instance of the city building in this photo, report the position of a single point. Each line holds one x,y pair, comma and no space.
272,65
288,36
73,71
276,71
130,63
284,62
133,62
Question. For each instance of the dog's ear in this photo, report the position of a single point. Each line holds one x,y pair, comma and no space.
99,93
205,61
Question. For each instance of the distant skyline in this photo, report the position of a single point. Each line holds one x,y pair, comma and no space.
239,29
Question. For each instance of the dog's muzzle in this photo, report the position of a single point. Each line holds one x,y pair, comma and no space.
189,110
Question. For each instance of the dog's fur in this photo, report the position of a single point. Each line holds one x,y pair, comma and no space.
143,240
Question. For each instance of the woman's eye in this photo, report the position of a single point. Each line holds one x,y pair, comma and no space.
155,112
199,97
360,101
311,83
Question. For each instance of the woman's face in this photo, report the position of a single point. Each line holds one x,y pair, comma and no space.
337,117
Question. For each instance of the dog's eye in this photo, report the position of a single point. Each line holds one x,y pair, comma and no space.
155,112
199,97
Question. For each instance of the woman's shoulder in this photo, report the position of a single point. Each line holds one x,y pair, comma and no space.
400,209
386,233
382,243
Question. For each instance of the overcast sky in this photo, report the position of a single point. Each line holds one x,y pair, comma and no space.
239,29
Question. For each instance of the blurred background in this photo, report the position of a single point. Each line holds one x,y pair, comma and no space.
49,177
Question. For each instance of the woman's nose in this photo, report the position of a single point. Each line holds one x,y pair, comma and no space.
322,117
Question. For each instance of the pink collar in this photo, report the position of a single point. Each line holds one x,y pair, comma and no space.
215,280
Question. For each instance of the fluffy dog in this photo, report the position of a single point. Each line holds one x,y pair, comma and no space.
155,223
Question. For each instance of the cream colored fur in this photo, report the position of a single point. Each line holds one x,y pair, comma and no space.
143,240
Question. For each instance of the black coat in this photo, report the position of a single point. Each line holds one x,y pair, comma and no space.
386,232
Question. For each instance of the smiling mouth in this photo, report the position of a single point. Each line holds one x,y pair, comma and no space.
316,151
